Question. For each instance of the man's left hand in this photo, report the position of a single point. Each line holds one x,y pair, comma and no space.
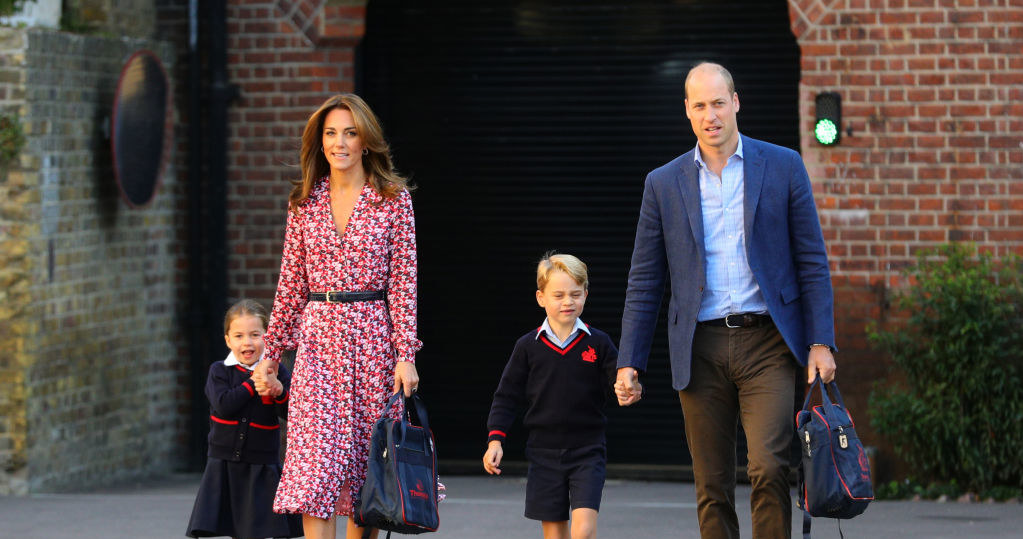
821,360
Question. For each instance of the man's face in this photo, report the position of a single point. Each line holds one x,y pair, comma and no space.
711,109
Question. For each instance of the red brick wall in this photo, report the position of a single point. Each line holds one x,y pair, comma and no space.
287,57
933,93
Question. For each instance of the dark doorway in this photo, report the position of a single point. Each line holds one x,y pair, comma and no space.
530,126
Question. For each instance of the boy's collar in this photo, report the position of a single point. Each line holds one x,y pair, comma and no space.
546,326
231,360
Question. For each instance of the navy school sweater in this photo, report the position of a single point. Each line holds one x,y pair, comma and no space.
242,427
563,390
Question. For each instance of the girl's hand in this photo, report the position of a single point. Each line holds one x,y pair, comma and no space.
492,458
268,385
406,377
262,373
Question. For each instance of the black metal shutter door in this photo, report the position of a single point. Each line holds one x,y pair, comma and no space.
530,126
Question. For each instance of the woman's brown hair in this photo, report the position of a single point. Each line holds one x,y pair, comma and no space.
377,163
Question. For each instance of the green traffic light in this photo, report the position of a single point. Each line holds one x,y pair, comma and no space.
826,131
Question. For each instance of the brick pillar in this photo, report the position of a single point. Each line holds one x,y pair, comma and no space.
88,326
19,205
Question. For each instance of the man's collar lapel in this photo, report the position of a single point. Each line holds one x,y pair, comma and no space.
753,182
689,184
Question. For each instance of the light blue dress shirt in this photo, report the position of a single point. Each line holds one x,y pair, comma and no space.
546,328
731,287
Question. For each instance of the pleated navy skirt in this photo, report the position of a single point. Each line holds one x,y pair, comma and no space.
235,499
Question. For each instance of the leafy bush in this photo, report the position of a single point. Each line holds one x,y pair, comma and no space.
10,7
12,139
955,405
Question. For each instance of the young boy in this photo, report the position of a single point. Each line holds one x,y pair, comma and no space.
562,373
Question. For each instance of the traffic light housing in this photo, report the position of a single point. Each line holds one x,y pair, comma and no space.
828,127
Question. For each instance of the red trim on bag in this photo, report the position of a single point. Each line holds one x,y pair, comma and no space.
265,427
224,421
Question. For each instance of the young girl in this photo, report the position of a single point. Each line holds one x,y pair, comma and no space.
243,465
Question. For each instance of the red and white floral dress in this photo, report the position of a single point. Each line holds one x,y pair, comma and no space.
346,352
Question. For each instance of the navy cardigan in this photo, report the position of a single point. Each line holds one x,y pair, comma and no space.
243,426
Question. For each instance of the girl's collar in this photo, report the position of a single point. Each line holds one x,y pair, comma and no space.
231,360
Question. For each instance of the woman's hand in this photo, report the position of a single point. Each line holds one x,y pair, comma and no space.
406,378
263,376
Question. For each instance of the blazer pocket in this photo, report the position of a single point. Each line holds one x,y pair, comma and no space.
790,293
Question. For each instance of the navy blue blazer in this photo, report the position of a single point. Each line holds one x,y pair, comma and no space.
784,246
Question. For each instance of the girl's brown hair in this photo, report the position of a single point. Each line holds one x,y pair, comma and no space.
377,163
245,307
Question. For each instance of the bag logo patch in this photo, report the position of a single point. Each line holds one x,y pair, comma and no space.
419,491
590,355
864,465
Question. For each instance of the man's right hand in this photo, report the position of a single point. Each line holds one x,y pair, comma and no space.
627,386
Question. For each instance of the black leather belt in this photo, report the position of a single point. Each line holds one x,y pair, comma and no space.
741,320
337,296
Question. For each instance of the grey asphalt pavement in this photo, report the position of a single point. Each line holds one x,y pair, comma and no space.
491,507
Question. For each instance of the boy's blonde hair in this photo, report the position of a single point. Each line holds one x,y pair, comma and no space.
245,307
575,268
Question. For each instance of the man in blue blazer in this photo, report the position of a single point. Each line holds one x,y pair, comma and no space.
733,227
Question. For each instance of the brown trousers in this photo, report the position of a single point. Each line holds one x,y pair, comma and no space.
746,373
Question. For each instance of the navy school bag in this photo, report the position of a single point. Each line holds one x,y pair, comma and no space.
834,474
400,493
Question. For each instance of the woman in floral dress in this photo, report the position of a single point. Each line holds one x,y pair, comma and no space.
350,230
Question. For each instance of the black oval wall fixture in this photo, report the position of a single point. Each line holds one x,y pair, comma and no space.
139,127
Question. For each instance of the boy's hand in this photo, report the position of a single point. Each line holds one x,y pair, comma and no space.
492,458
627,386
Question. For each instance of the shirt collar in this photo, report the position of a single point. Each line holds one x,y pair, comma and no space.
698,158
546,327
231,360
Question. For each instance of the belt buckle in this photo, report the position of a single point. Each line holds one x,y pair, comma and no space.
328,293
728,324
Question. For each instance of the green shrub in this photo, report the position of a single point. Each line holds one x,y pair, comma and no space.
953,408
10,7
12,139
